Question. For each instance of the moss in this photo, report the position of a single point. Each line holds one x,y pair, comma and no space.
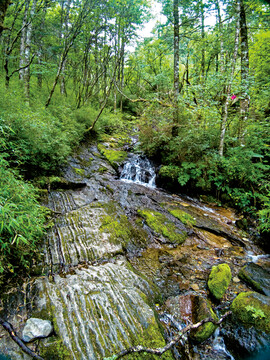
79,172
162,225
252,309
184,217
219,280
115,157
204,311
54,349
102,169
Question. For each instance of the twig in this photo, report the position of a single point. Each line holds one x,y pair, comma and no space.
175,340
9,328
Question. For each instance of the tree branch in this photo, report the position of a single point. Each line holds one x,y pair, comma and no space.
169,345
9,328
23,67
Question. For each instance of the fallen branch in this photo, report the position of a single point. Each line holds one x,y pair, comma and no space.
9,328
175,340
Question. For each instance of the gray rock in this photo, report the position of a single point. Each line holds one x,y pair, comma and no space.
36,328
256,277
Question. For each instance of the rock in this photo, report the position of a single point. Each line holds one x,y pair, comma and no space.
219,280
236,279
256,277
36,329
192,308
195,287
252,309
245,343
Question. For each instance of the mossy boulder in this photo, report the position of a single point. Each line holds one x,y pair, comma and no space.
256,277
201,310
115,157
252,309
163,226
219,280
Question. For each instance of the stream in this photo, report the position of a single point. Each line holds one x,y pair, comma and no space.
120,269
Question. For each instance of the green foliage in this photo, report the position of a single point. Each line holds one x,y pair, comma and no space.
37,139
21,221
255,313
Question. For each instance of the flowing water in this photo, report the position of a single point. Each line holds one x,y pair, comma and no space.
139,170
107,273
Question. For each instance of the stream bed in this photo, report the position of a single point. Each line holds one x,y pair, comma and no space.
120,268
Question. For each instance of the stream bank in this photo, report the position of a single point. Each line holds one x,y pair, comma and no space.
126,264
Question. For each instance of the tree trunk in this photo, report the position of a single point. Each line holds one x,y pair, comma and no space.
27,57
203,44
225,111
23,40
176,57
65,17
3,9
244,98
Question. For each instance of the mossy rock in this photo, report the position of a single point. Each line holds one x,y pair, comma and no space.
203,310
121,230
219,280
256,277
252,309
184,217
162,225
115,157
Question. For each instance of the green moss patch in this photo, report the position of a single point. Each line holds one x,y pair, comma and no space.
219,280
121,230
162,225
115,157
252,309
184,217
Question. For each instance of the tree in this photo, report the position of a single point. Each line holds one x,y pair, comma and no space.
4,4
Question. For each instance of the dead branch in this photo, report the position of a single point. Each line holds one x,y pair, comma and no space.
9,328
141,99
169,345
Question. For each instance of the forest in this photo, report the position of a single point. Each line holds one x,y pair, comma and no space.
76,70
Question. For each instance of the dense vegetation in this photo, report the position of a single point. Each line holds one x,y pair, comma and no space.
200,93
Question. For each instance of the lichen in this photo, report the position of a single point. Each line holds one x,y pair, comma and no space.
162,225
115,157
184,217
219,280
252,309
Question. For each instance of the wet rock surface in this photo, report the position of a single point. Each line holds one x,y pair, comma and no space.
107,269
257,277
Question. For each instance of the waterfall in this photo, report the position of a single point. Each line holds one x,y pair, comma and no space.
139,170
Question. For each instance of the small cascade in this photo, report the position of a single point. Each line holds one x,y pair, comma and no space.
139,170
219,346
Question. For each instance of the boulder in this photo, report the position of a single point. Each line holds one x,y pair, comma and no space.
219,280
256,277
36,329
192,308
252,309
